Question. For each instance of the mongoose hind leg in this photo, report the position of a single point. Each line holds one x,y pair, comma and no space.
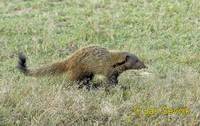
85,80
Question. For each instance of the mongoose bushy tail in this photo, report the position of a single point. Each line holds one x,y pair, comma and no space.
52,69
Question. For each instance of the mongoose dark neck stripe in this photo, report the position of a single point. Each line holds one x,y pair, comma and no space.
118,64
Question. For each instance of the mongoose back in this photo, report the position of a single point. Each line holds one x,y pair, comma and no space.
86,62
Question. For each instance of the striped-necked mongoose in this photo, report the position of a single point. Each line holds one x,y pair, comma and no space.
84,63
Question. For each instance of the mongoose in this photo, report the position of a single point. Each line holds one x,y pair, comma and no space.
86,62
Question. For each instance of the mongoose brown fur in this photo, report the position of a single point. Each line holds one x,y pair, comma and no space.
86,62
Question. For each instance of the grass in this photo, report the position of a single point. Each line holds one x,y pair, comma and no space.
164,34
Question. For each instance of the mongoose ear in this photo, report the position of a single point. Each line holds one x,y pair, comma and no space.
127,57
119,59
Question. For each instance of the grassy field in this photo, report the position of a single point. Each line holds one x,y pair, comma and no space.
165,34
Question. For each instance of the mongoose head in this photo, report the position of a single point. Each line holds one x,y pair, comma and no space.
133,62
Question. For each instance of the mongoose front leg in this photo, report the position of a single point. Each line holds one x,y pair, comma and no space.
112,78
85,81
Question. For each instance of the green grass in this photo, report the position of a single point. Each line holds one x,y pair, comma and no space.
165,34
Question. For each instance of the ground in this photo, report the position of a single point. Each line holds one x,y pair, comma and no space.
164,34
